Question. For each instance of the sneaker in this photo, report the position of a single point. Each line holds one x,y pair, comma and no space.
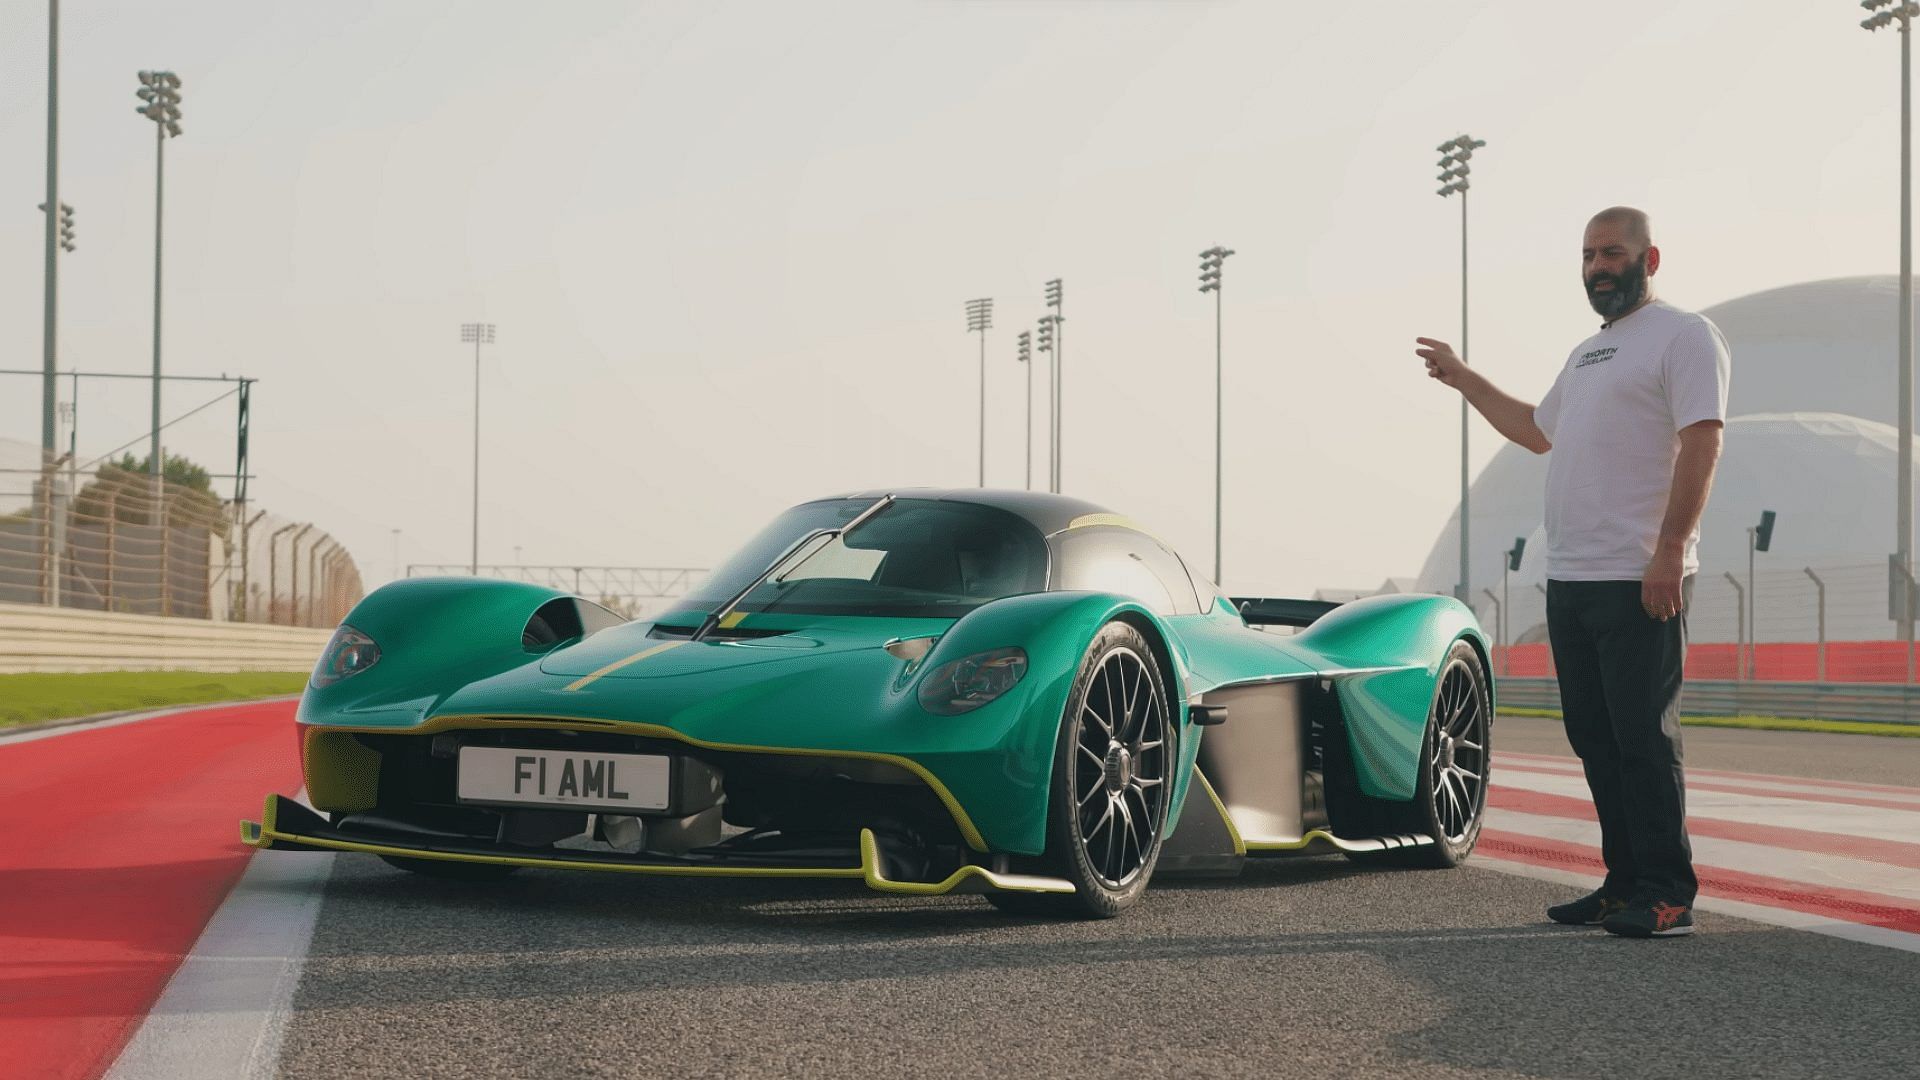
1589,910
1650,918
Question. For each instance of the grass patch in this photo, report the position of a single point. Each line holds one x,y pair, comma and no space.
31,698
1769,723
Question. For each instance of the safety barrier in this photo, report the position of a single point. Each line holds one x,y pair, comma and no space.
1766,661
37,638
1896,703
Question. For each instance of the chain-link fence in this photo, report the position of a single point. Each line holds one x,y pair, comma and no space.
635,592
109,539
1822,623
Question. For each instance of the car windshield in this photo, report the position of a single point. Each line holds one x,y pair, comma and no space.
918,558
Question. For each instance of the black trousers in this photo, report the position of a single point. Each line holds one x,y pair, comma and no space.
1620,692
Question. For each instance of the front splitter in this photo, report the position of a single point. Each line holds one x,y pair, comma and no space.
267,834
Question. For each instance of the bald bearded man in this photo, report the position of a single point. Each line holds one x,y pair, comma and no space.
1634,423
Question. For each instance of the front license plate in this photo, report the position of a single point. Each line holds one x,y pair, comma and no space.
589,781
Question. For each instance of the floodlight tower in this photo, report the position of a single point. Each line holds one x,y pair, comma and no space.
980,320
1025,357
1889,13
1507,568
66,227
1211,260
480,334
1759,538
1057,335
1049,326
51,281
159,95
60,235
1459,150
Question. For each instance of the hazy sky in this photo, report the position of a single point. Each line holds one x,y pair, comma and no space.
728,245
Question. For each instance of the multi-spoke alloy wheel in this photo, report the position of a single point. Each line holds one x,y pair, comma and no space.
1120,766
1451,799
1457,752
1112,781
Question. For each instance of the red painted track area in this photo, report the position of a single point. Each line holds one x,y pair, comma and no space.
116,846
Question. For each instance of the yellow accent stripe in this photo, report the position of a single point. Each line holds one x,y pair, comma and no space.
1293,845
1239,846
1084,520
870,866
618,664
568,864
733,620
1121,520
511,720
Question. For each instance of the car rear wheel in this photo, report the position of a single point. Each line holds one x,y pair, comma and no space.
448,870
1450,802
1112,779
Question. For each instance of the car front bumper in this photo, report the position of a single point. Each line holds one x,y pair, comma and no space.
288,825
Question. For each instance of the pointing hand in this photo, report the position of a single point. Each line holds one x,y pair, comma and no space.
1442,362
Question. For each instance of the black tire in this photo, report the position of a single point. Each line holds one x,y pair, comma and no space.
1107,813
448,870
1450,798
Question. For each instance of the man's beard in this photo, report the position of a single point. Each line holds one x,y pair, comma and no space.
1629,286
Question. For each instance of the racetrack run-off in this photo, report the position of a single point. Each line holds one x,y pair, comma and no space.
119,843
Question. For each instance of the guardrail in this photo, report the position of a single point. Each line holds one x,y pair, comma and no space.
1895,703
35,638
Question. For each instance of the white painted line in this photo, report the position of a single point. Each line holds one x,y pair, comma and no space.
1794,920
1808,868
225,1011
1782,785
1772,810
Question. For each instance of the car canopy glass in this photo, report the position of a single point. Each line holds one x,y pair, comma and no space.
917,558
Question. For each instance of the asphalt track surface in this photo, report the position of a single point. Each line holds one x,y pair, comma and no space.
1300,967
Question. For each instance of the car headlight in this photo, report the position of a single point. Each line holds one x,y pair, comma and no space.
350,652
971,681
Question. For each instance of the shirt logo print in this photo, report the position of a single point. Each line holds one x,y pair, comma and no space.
1595,357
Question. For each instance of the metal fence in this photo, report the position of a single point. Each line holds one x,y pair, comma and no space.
113,540
1887,703
1813,624
635,592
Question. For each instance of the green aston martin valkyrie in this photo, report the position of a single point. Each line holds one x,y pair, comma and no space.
1004,692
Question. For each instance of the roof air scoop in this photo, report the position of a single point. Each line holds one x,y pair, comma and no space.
564,619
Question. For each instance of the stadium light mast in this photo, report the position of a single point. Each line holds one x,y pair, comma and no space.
1458,151
1507,568
479,334
1759,538
980,320
159,95
1025,357
1211,260
1044,343
51,280
1056,335
1889,13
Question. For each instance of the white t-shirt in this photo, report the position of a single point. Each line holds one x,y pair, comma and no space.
1614,417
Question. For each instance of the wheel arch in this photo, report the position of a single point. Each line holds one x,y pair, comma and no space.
1160,642
1385,656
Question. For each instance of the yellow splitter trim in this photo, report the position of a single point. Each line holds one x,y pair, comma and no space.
515,720
263,834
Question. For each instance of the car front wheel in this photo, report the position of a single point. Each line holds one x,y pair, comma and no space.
1112,780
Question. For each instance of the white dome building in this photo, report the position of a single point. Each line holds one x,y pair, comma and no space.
1810,435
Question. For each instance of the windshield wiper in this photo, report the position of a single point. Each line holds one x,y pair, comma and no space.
712,620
